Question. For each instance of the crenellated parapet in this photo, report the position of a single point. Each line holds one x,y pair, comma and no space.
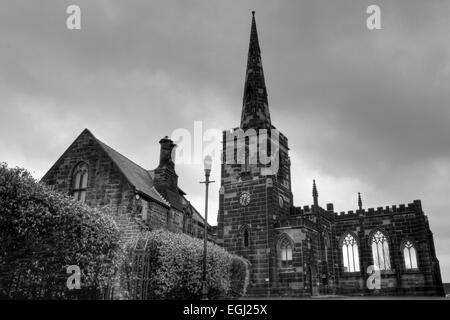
414,207
298,211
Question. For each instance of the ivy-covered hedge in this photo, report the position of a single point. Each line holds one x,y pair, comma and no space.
43,232
239,277
176,264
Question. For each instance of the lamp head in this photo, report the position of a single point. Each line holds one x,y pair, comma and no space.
207,162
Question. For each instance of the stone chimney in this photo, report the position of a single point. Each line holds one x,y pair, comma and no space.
165,175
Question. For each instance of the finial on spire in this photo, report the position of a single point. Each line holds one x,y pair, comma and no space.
253,13
359,201
315,194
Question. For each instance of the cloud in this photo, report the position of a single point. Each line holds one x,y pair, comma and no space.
364,111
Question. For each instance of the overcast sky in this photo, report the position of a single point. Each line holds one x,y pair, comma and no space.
363,110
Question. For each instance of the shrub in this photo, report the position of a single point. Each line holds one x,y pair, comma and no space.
176,264
239,276
42,232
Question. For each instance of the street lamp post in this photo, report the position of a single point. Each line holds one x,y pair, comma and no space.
207,166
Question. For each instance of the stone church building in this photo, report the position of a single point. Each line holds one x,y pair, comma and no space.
313,250
92,172
295,251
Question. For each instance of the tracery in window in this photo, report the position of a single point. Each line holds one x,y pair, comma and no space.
410,256
350,254
80,180
380,251
285,253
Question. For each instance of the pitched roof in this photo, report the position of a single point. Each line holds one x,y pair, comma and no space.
197,215
142,180
137,176
175,198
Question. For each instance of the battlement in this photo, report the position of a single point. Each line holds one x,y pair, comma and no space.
297,211
414,207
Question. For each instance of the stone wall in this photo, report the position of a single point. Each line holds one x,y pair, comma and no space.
398,224
270,201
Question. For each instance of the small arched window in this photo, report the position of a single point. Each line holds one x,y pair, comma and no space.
286,253
80,180
350,254
380,251
246,238
410,256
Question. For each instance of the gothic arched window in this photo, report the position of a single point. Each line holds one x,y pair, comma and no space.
380,251
326,245
410,256
246,238
187,223
80,180
285,253
350,254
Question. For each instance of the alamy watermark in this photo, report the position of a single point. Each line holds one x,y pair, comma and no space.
374,280
73,20
249,147
74,280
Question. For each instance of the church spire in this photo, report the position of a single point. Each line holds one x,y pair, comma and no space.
255,107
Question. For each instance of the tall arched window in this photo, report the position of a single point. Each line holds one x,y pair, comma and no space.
350,254
380,251
326,245
80,179
409,254
187,223
190,226
246,238
285,253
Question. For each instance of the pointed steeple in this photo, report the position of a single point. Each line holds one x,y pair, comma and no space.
359,201
255,107
315,194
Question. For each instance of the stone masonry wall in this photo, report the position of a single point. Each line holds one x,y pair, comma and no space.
398,224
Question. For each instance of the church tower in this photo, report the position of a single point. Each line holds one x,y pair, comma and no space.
255,188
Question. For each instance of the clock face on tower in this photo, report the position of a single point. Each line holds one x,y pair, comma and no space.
244,200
